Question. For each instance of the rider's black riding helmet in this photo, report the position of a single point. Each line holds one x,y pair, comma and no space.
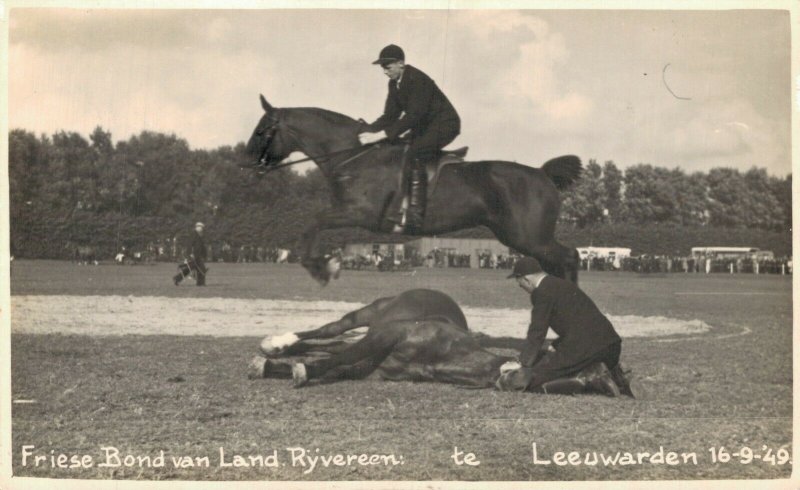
390,54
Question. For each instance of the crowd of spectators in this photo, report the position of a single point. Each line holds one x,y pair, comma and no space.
497,261
172,249
696,265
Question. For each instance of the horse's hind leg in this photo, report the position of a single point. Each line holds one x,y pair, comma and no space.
559,260
273,346
360,358
556,259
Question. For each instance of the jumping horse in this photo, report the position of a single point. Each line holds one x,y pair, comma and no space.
519,204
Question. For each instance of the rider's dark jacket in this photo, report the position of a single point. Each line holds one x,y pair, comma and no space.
420,102
581,328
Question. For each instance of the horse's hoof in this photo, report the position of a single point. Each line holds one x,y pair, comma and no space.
257,368
299,375
323,277
318,269
275,346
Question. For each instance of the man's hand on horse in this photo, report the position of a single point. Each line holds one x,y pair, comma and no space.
367,138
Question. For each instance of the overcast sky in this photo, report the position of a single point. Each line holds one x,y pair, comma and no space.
677,89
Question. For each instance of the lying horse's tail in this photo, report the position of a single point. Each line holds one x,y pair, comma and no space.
563,171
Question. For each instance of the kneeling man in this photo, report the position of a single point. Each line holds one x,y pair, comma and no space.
586,338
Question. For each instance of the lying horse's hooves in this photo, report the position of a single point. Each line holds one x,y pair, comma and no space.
275,346
257,368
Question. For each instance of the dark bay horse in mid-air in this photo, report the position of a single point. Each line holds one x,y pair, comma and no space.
519,204
418,335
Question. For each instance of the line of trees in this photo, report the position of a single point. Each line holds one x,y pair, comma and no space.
644,194
67,188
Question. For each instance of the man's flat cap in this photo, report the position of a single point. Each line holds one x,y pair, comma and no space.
526,266
390,54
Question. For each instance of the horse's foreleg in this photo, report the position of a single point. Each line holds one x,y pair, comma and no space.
284,344
322,268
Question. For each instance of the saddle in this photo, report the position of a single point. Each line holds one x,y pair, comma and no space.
433,169
446,157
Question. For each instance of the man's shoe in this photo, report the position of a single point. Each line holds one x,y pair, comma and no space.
624,379
599,379
176,280
299,375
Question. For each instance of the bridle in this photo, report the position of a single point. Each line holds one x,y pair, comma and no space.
268,133
273,118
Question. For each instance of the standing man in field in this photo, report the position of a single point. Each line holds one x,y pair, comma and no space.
585,338
197,256
414,103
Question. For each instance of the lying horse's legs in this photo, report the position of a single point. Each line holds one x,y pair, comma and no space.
481,372
354,319
369,351
269,368
272,346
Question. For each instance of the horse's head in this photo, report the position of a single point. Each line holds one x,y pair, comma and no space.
313,131
268,145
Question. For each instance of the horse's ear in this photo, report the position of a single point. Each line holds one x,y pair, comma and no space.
265,104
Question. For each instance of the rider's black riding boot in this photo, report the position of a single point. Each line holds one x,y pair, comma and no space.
415,215
394,212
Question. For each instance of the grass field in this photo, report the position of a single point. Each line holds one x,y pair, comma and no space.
188,395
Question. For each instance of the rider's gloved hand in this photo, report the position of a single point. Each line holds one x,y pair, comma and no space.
363,126
367,138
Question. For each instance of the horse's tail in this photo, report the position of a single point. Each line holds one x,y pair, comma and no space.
563,171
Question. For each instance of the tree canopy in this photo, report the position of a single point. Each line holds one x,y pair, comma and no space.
153,184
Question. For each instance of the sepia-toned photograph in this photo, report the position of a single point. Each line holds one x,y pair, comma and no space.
367,243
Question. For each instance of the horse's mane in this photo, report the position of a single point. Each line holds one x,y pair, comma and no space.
329,116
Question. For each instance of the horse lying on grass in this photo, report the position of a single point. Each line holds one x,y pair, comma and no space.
418,335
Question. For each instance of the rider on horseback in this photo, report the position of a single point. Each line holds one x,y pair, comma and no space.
414,103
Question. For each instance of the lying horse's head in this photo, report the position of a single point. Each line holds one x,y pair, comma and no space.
268,145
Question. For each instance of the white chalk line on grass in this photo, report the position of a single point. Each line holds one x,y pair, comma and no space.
233,317
724,293
743,331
